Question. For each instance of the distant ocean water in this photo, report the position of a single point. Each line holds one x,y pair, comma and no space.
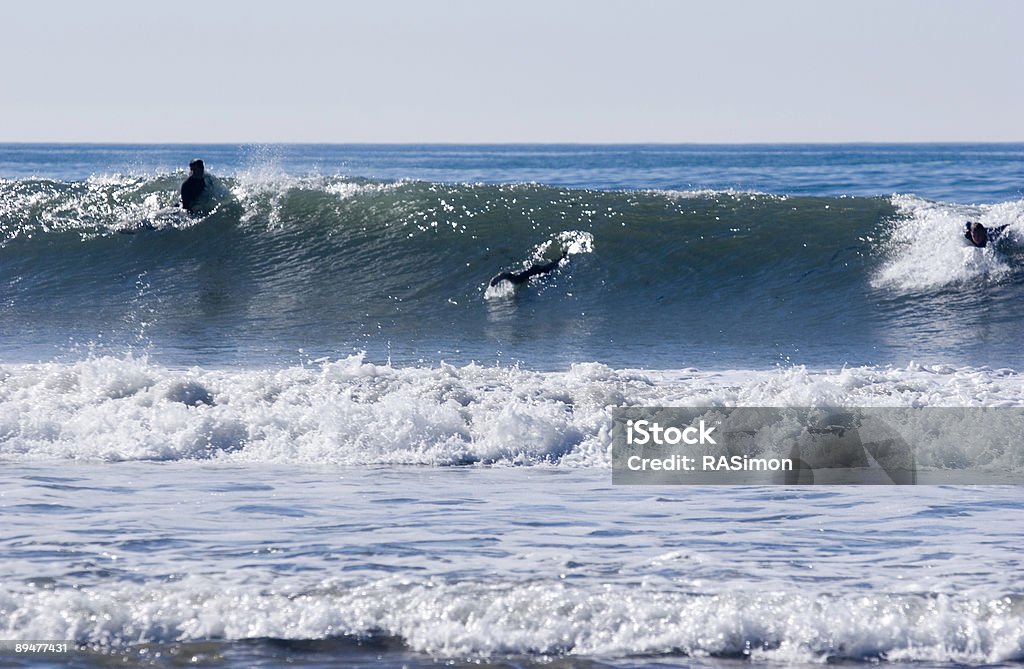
299,424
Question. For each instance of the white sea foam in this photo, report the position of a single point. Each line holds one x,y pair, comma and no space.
575,242
499,290
711,193
474,619
354,412
927,248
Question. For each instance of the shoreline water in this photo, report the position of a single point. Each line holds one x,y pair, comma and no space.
455,564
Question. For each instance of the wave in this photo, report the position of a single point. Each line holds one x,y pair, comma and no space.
926,250
476,620
351,412
344,262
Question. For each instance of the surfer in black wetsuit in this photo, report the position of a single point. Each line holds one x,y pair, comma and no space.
516,278
194,186
978,235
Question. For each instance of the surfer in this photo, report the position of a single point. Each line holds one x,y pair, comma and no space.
516,278
193,187
978,235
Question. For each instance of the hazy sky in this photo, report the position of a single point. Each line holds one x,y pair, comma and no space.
512,71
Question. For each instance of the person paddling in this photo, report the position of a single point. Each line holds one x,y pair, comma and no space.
193,187
978,235
516,278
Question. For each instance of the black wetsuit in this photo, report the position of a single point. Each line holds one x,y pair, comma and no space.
516,278
191,190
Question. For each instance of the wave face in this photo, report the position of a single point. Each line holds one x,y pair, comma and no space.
401,268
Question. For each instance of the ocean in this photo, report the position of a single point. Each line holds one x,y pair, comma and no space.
298,425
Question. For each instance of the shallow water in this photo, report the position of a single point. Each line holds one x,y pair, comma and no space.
507,565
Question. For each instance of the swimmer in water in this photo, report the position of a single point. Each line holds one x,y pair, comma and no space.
194,186
978,235
517,278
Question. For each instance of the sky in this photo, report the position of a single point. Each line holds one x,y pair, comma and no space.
482,71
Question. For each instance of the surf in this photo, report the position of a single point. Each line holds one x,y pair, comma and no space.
327,262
